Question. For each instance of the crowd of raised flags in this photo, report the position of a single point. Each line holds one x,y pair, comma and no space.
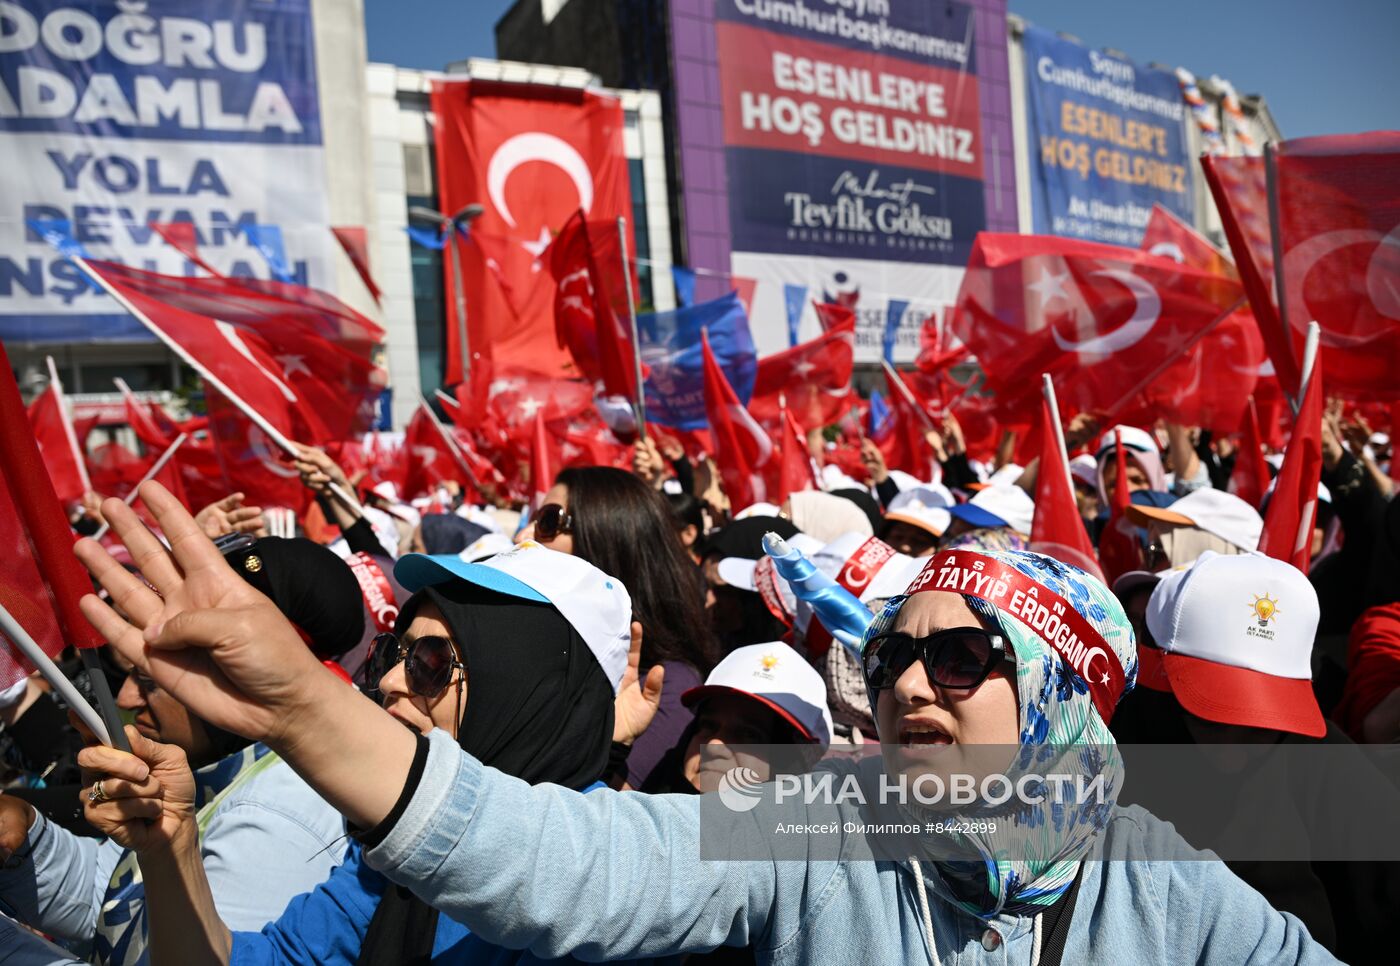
1174,409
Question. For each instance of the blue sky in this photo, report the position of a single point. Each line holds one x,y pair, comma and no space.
1325,68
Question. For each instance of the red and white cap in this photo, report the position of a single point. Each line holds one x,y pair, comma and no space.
1214,511
867,566
777,676
1236,635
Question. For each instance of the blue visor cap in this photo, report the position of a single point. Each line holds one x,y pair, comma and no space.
418,570
969,513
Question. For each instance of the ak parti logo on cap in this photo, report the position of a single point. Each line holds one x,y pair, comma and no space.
766,664
1265,609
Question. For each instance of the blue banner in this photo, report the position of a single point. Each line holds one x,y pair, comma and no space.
115,115
267,239
794,300
675,387
427,237
879,415
1107,141
894,314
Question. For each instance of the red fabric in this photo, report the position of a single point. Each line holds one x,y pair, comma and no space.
740,447
793,471
355,243
1373,666
299,357
503,401
428,458
51,430
813,378
1241,195
1250,477
115,470
590,304
1119,548
905,446
1098,318
744,288
249,460
1339,231
532,156
1167,236
181,236
138,417
1288,526
41,581
1057,529
544,458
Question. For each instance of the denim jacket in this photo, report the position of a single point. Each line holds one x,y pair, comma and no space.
618,876
265,837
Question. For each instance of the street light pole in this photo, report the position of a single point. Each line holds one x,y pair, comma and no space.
461,220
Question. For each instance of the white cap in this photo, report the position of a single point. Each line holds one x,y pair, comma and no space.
893,576
480,516
1236,634
1085,469
738,572
388,489
925,507
1324,495
1214,511
487,545
835,478
780,678
1008,474
903,481
597,605
998,505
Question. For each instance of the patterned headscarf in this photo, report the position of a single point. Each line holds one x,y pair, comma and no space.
1061,731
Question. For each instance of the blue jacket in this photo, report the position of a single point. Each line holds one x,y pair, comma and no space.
619,876
328,926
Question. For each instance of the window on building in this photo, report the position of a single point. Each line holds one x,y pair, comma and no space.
429,314
639,233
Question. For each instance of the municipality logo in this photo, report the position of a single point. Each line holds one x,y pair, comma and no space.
739,789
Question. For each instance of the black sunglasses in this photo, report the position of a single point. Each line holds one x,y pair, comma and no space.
428,663
959,657
553,520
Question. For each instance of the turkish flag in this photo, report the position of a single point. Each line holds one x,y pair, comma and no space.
41,582
813,377
544,461
1119,548
905,445
590,304
181,236
1167,236
115,470
1288,524
531,156
1250,477
502,401
1100,319
793,470
52,430
427,456
1057,529
143,424
354,241
300,352
740,446
249,460
1339,232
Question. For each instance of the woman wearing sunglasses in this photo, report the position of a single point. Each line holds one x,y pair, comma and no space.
1040,656
492,663
616,522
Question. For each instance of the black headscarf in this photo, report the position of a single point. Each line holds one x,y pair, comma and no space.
449,533
311,586
539,707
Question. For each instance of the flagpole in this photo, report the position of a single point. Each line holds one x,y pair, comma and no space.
640,401
257,418
1309,361
1047,389
903,390
452,446
67,422
1276,243
1170,361
45,666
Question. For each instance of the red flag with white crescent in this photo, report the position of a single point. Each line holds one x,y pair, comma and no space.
740,446
1057,529
1288,524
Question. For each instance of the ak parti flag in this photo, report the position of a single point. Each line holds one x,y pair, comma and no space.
1292,513
51,428
740,446
531,155
1057,529
1100,319
41,582
1250,478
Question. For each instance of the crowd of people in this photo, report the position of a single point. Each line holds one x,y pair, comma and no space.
449,732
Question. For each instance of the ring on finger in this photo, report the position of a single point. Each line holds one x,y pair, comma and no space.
97,793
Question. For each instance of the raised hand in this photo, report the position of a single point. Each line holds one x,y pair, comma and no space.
203,634
637,700
147,797
229,515
874,461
